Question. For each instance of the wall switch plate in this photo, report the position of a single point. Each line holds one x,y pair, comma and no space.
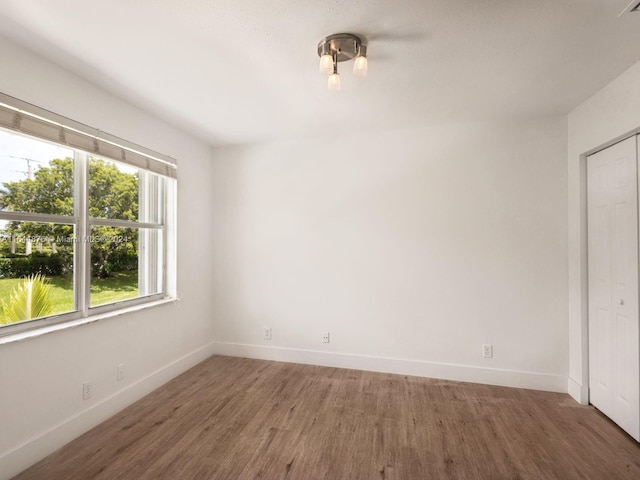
267,333
487,351
325,337
87,391
120,372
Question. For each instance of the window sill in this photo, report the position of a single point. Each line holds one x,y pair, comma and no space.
37,332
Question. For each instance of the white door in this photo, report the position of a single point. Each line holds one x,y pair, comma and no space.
614,353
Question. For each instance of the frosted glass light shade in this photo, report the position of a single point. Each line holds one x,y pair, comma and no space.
360,66
334,82
326,64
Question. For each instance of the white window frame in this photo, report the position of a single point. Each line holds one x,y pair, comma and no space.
139,157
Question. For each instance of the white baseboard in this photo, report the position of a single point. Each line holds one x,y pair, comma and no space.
38,447
579,392
420,368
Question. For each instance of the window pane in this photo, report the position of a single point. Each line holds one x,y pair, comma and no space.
36,270
114,264
126,263
35,176
113,190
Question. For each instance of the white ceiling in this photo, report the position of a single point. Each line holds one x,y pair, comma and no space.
243,71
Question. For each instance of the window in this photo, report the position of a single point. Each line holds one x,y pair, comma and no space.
86,220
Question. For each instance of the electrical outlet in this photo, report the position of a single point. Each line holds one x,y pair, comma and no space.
267,333
487,350
120,372
325,337
87,391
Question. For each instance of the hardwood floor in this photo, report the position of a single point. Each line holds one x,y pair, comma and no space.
234,418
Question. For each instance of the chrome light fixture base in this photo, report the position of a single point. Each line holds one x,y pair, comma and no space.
345,46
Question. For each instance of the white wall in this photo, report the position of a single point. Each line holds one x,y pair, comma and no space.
41,405
412,248
607,115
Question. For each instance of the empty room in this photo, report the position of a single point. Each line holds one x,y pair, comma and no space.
315,239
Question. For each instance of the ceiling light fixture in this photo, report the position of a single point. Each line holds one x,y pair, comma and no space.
340,48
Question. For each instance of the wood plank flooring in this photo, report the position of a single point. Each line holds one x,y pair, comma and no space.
234,418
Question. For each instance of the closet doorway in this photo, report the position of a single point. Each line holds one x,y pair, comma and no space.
614,336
